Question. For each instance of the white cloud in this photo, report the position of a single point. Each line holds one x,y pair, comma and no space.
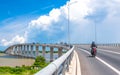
43,22
81,28
82,15
16,39
12,31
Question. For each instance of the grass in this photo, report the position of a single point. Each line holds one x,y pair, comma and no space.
25,70
1,51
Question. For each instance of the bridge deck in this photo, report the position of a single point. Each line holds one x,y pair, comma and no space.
107,61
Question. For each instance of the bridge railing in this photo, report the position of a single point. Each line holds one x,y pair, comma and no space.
59,66
112,45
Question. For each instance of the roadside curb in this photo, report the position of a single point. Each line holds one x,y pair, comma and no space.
74,67
78,64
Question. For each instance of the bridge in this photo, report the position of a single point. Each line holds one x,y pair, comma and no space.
32,50
76,61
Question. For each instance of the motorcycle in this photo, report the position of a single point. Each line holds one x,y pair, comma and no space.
93,51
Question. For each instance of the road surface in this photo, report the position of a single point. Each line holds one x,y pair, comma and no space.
107,62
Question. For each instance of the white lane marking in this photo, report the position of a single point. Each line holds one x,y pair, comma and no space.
111,67
108,51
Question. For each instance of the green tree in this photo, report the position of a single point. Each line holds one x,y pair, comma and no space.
40,62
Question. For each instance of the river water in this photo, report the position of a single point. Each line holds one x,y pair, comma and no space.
12,61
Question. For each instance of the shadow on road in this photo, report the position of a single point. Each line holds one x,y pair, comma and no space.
90,56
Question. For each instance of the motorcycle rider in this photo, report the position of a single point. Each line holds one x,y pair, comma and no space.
93,45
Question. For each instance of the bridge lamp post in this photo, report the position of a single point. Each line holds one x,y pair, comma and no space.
68,6
95,31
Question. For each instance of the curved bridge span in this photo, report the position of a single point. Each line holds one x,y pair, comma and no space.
33,50
57,67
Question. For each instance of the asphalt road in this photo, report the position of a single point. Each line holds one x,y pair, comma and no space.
107,62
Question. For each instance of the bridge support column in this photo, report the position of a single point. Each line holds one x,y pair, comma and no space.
32,55
59,52
11,51
24,50
15,50
21,50
51,54
27,50
18,49
43,51
37,50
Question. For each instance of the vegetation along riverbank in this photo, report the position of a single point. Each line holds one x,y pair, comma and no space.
39,63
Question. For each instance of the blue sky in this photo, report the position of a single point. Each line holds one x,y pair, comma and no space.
16,14
13,8
46,21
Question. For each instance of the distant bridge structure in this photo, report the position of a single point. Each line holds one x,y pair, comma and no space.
58,66
32,50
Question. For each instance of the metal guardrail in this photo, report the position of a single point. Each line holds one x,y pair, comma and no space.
109,44
59,66
112,45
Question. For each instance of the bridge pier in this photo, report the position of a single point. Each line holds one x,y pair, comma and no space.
15,50
27,52
51,54
43,51
10,51
59,52
20,50
37,50
31,52
24,50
